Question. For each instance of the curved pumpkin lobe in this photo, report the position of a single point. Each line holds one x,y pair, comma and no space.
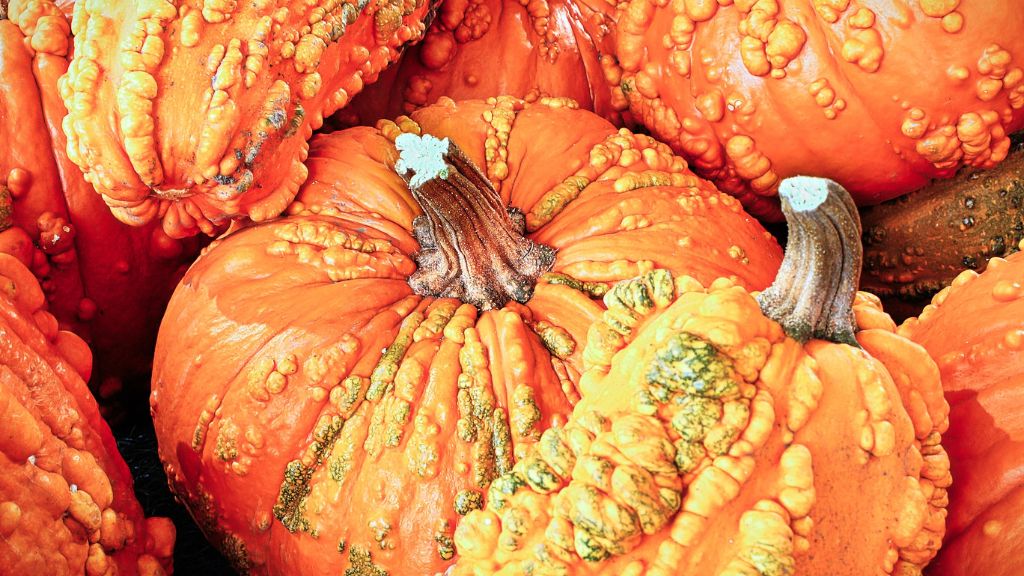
708,442
196,112
752,92
308,401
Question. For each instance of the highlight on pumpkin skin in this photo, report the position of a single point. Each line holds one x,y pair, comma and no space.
707,441
211,122
317,415
974,328
753,92
66,499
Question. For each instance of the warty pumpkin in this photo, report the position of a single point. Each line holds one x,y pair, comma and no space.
546,48
713,439
66,500
753,91
193,112
916,244
106,281
333,390
975,331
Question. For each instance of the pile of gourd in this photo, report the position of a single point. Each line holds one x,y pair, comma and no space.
473,287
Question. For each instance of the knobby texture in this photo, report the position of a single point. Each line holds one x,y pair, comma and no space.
106,281
194,112
707,441
881,96
975,331
66,499
317,416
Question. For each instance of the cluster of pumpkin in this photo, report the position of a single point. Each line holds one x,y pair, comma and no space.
502,333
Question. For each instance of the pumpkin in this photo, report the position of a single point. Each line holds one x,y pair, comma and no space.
106,281
975,331
558,48
66,500
333,390
715,436
194,112
753,91
916,244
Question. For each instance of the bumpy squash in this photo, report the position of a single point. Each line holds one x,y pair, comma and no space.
975,331
711,439
66,500
106,281
752,91
321,384
916,244
546,48
196,111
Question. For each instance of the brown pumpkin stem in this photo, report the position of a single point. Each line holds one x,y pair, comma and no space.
813,293
472,246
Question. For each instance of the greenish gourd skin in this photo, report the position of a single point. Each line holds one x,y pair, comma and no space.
915,245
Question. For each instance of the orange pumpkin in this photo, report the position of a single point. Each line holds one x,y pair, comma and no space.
193,112
975,331
717,437
66,500
753,91
106,281
321,383
556,48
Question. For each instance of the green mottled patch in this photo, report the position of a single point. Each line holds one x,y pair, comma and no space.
556,199
383,375
587,547
690,365
688,455
768,561
502,490
341,546
295,487
361,564
540,476
396,423
468,500
696,416
553,449
350,394
556,339
445,546
525,414
592,289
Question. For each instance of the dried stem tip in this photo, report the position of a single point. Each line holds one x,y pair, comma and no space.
471,246
813,293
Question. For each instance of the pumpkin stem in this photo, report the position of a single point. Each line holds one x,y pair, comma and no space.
471,246
813,293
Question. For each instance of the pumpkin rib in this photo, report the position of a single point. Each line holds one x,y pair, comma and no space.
449,407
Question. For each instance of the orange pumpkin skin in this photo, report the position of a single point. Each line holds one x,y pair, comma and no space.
548,48
66,499
975,331
193,112
279,418
708,441
106,281
758,90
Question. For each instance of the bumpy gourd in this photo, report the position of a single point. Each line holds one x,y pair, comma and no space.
106,281
753,91
200,110
916,244
975,331
66,499
546,48
324,405
708,441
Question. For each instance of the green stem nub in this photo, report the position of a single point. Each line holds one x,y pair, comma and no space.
813,293
472,246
